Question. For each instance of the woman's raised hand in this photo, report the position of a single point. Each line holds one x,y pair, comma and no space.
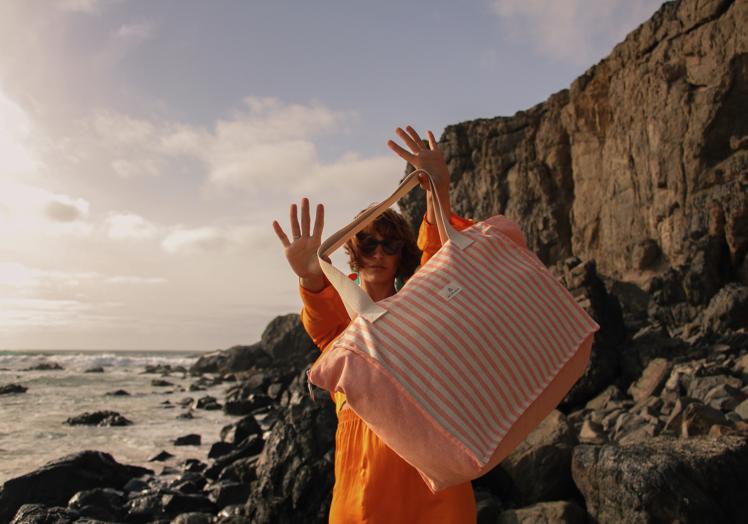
301,250
427,158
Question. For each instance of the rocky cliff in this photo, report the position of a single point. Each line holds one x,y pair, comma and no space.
641,165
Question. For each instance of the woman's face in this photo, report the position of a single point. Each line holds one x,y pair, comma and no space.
379,258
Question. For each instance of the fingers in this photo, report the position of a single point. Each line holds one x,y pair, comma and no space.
411,143
399,151
415,136
280,234
432,142
305,217
295,229
319,221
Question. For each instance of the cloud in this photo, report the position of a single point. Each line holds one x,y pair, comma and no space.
134,32
135,280
211,240
577,31
79,6
17,154
129,226
62,208
30,210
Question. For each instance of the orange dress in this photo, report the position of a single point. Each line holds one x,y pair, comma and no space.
374,485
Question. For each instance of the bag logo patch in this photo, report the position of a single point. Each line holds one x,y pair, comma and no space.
450,290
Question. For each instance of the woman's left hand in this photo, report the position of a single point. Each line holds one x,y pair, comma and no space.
427,158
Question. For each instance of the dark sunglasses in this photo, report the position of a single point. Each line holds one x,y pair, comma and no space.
367,245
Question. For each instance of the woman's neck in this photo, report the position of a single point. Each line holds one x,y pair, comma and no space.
378,291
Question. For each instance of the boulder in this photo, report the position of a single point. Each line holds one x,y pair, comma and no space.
663,479
193,518
295,468
651,381
558,512
45,366
160,383
56,482
728,309
160,457
207,402
250,446
193,439
287,343
41,514
99,418
240,430
223,493
94,369
698,419
585,285
100,503
539,467
117,393
12,388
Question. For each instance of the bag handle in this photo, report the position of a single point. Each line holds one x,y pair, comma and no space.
355,299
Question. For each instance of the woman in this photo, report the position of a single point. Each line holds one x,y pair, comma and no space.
372,483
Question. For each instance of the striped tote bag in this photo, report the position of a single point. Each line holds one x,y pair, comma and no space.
454,370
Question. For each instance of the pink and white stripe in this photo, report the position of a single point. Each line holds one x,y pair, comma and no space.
476,361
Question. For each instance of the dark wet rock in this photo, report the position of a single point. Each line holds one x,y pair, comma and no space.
193,518
12,388
487,507
224,493
160,383
162,369
250,446
283,343
664,480
45,366
558,512
583,282
99,418
274,390
186,402
160,457
94,369
207,402
242,470
177,503
57,481
236,358
219,449
144,507
240,430
238,407
135,484
117,393
194,465
41,514
286,341
539,467
101,503
192,439
187,415
295,468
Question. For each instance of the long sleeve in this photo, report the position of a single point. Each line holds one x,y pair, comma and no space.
324,316
428,235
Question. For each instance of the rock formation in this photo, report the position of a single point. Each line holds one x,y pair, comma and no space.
641,165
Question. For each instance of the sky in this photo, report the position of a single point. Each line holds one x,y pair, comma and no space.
147,146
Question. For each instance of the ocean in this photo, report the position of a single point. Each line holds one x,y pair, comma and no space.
32,429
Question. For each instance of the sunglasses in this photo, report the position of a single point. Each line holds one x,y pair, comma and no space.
367,245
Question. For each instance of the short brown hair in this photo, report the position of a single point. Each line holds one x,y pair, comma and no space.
390,224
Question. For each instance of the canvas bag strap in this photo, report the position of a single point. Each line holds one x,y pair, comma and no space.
355,299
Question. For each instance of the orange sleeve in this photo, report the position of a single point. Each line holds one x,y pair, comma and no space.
428,235
324,316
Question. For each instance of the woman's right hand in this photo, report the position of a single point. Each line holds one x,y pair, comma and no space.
301,250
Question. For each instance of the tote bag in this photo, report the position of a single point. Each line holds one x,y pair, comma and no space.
454,370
